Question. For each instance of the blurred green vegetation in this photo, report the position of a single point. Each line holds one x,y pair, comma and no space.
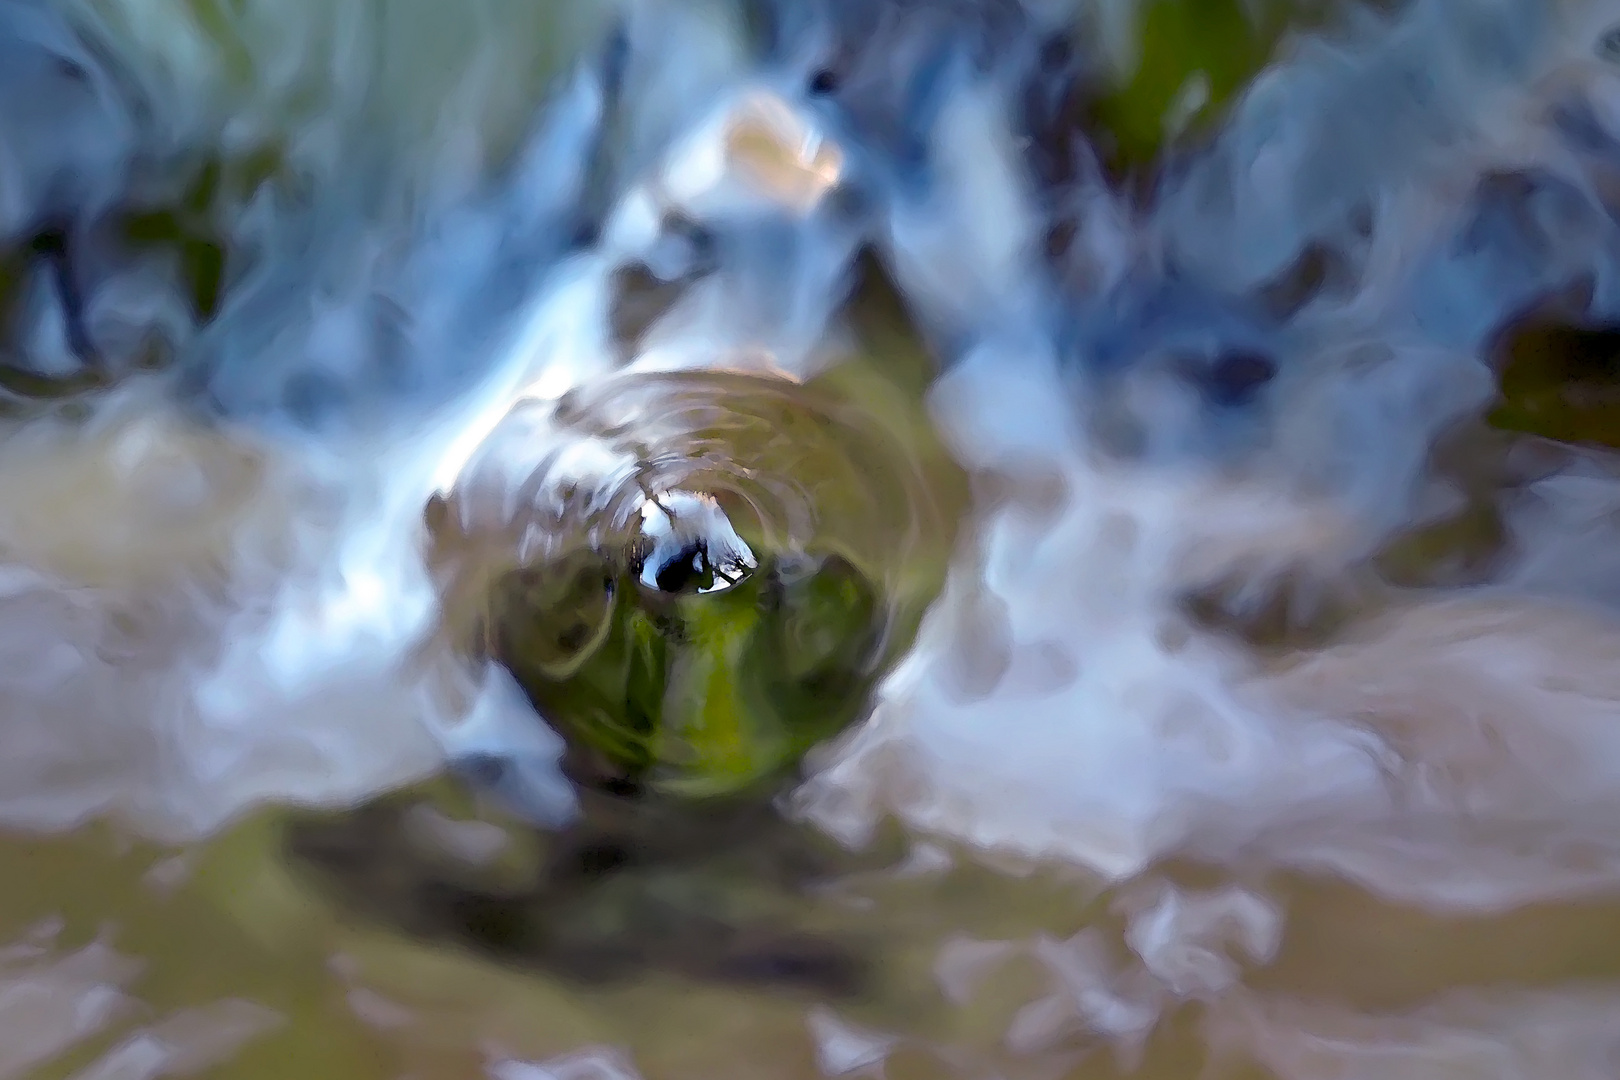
1193,58
182,225
194,224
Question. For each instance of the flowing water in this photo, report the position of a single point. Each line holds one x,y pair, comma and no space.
1211,405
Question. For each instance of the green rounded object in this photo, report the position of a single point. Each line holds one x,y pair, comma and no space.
694,694
694,627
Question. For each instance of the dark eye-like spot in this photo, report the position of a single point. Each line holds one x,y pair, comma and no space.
72,70
682,571
824,82
1236,378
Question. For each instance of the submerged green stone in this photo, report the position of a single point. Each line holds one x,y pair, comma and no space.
694,626
693,691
